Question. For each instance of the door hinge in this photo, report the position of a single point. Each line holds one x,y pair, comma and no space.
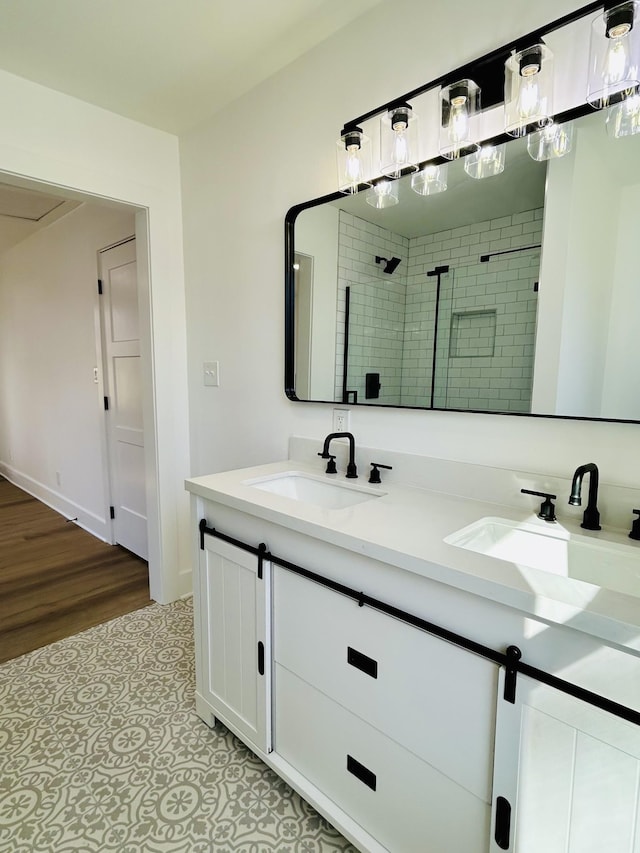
100,287
112,512
106,404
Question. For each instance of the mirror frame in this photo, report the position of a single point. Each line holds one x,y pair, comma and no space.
479,68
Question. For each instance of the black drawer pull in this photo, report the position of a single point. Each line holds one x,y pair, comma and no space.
503,823
361,772
362,662
261,658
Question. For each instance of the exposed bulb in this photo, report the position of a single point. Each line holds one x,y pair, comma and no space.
400,145
353,166
529,97
617,61
459,120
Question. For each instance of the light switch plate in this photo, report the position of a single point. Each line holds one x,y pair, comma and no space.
211,373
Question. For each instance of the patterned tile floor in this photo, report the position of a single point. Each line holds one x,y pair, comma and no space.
101,750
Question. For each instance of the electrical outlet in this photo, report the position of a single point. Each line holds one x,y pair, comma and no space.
211,373
341,420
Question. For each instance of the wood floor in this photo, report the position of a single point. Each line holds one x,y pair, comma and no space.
55,578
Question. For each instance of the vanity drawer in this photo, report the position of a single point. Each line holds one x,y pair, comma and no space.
433,698
393,795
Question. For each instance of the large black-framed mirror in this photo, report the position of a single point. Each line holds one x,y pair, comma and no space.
515,294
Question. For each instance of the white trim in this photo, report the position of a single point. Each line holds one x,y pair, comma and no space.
84,518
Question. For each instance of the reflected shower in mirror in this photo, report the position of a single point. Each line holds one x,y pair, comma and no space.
512,294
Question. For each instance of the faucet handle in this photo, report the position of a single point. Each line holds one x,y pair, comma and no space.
635,527
547,509
374,476
331,464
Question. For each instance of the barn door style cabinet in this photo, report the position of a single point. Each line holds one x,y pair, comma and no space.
405,710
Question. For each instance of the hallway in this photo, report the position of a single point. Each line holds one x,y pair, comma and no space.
55,578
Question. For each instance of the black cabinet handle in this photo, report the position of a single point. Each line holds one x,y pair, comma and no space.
503,823
261,658
361,772
362,662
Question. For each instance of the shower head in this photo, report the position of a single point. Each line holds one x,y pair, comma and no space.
390,265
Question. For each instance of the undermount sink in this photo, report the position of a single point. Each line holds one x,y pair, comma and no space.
554,549
318,491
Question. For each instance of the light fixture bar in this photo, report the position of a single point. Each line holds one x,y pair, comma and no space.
471,69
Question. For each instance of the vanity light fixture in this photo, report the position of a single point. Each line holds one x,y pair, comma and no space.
614,55
623,119
382,194
459,119
430,180
528,90
353,151
398,140
551,142
486,162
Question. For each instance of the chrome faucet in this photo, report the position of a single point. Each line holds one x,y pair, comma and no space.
591,516
352,471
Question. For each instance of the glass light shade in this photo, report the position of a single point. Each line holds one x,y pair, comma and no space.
486,162
353,153
459,119
382,194
430,180
398,141
553,141
528,90
614,56
623,119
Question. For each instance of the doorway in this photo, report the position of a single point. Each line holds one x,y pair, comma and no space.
51,380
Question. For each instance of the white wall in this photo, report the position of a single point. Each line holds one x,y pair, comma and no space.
317,236
61,141
235,199
622,376
50,408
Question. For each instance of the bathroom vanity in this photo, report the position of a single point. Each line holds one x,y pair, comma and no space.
420,693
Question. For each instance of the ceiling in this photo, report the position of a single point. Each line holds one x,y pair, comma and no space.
24,211
167,63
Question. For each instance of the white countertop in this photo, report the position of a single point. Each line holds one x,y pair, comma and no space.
406,527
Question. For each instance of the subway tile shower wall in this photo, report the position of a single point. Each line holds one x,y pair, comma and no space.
486,313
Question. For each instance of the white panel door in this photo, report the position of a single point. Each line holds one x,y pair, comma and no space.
570,772
123,388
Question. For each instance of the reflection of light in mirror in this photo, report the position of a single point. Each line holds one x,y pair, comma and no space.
485,163
431,180
552,142
624,118
383,194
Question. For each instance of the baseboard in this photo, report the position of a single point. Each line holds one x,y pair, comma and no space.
84,518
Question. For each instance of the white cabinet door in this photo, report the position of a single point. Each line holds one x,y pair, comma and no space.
233,666
570,773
